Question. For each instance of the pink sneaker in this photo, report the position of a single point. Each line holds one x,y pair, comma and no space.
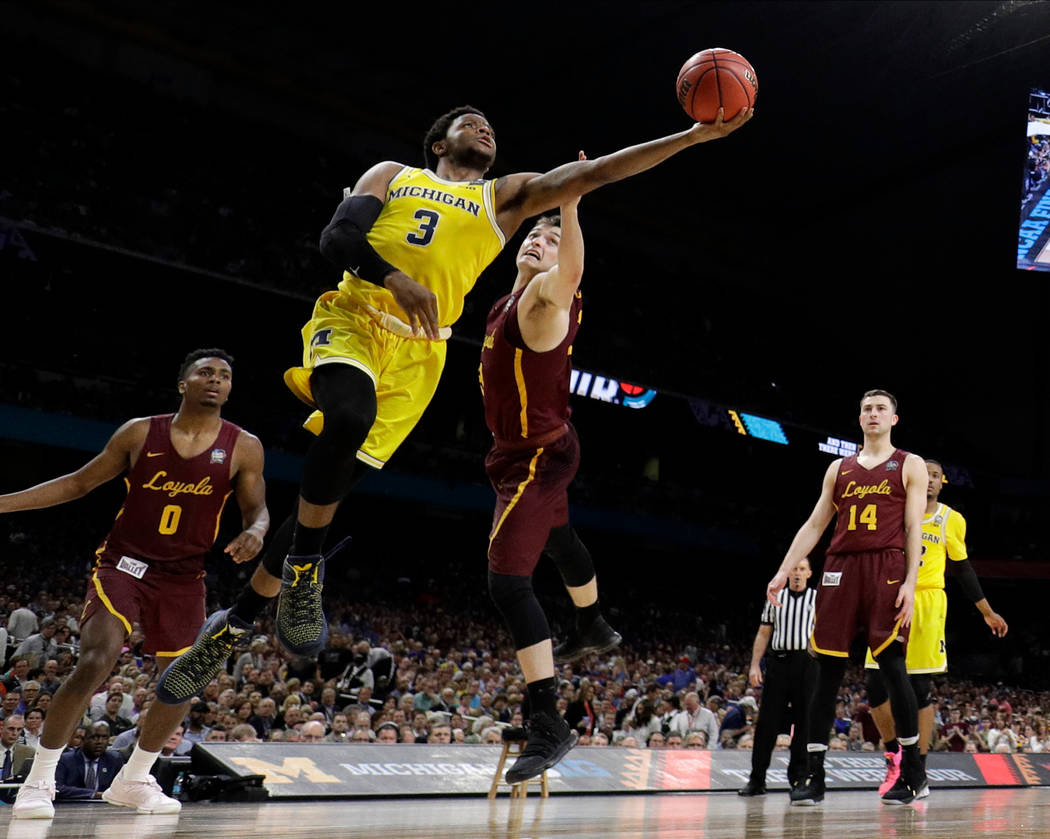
893,771
34,801
144,796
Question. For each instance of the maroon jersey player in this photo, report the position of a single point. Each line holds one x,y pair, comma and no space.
181,469
878,499
525,367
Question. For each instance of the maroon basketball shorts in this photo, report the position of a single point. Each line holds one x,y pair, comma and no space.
169,608
858,592
531,497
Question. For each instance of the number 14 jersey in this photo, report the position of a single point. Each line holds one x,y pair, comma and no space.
870,506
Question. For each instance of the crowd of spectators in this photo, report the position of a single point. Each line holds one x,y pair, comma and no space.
1038,172
427,672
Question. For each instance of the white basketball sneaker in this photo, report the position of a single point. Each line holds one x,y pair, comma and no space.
34,801
144,796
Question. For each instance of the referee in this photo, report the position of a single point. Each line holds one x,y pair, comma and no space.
791,674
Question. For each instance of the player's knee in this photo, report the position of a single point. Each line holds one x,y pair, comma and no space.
508,590
348,424
516,601
877,694
921,685
570,555
97,662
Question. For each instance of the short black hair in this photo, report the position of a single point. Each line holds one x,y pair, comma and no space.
197,355
439,130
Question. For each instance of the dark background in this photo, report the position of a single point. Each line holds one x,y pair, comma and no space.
169,168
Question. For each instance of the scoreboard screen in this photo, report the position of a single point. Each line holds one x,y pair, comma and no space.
1033,239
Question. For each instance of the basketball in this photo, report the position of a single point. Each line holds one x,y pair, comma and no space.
713,79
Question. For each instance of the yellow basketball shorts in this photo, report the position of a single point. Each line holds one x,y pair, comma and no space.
405,371
926,648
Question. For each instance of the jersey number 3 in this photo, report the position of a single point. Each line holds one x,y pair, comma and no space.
867,516
428,222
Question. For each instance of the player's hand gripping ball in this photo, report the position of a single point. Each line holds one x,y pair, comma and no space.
713,79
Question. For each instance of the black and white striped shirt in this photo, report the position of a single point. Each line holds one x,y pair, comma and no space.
792,621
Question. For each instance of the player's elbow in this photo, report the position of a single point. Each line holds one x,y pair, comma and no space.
337,244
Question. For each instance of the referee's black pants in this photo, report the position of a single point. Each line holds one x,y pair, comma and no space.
791,677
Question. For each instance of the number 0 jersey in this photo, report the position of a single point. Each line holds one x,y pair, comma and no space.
441,233
943,538
171,514
869,505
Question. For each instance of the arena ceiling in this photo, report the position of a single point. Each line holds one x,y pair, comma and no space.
859,232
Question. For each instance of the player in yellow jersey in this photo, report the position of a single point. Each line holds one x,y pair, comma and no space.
943,549
411,242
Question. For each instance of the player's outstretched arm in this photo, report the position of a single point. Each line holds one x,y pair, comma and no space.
543,313
523,195
344,243
809,534
250,489
106,465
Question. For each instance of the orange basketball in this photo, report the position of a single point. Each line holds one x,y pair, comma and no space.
713,79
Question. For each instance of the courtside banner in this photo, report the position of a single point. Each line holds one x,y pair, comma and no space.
297,770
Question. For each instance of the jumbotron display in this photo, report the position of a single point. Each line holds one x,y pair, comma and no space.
1033,240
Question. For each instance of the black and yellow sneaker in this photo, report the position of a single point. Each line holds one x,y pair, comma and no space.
810,790
302,627
188,675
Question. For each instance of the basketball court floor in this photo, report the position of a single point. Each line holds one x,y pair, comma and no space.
959,814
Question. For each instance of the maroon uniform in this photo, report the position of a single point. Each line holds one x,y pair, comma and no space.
150,568
535,451
866,563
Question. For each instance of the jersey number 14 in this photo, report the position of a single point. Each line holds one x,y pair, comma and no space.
867,516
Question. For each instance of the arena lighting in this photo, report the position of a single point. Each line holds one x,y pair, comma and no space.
605,389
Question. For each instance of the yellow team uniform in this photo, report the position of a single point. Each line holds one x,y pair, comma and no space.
943,539
442,234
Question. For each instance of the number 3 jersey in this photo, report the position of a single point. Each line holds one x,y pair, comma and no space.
441,233
869,506
171,514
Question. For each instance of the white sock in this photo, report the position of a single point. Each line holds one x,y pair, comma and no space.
138,765
44,763
816,747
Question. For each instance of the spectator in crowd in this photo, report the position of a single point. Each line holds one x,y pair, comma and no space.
695,717
86,772
387,734
111,716
39,646
9,704
340,732
312,732
264,718
21,623
737,721
13,754
244,733
196,731
34,724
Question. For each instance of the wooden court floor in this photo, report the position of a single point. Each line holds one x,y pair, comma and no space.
959,814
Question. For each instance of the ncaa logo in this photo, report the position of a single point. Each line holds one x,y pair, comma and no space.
218,455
